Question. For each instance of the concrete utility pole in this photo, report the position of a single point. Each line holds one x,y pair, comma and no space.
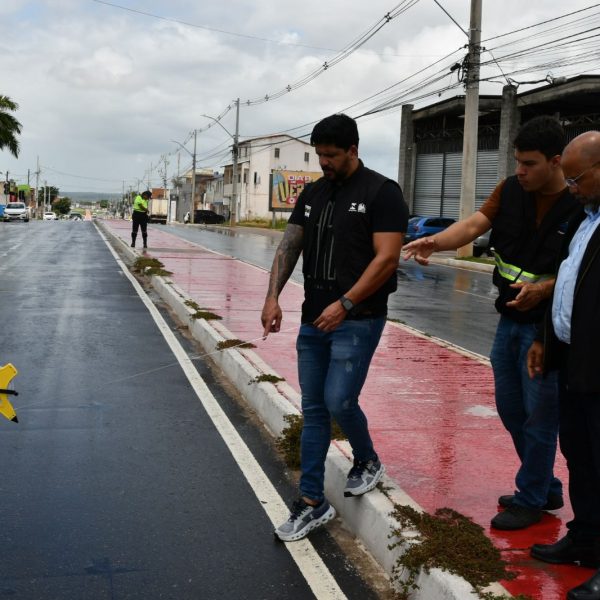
469,157
193,179
233,207
37,190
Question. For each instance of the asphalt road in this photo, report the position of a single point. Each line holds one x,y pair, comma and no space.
456,305
115,482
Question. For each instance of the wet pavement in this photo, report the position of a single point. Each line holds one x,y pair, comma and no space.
430,408
424,293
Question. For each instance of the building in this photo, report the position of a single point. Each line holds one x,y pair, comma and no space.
432,137
183,191
258,159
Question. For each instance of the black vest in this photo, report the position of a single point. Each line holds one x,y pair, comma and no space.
352,230
529,249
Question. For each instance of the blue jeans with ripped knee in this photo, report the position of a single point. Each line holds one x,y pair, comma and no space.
332,368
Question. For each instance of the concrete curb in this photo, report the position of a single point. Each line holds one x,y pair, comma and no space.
462,264
366,517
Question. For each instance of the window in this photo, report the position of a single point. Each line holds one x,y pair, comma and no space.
245,176
306,157
276,152
255,177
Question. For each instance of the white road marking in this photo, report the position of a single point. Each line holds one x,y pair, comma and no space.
313,569
486,298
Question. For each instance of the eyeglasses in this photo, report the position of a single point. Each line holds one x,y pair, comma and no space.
572,181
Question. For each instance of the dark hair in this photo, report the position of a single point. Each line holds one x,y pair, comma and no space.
147,193
544,134
339,130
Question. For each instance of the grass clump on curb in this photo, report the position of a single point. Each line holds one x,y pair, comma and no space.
289,441
266,377
150,266
225,344
202,313
449,541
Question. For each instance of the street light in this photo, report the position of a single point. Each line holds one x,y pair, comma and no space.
193,174
233,207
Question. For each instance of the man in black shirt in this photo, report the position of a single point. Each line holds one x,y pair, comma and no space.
349,226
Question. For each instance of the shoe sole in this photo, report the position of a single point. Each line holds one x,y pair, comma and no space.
545,508
324,518
361,491
589,564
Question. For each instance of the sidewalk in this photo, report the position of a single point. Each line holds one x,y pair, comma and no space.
430,407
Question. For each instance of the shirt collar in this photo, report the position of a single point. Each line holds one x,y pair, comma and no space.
591,210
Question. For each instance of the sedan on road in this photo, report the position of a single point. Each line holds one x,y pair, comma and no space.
419,227
16,211
208,216
50,216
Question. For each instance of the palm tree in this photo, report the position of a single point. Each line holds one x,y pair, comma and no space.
9,126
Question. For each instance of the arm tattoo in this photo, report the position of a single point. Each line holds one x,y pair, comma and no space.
285,260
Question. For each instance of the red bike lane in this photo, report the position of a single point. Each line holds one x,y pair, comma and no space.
430,407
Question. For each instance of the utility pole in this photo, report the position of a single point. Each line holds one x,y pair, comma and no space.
233,207
469,157
192,206
37,189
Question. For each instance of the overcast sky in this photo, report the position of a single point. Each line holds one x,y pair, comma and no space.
102,90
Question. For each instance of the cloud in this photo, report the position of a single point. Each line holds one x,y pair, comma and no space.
102,91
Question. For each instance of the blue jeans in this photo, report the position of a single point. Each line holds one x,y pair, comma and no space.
332,368
528,409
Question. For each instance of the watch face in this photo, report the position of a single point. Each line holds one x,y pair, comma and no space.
347,304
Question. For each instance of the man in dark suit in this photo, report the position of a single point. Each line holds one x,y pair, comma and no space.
571,335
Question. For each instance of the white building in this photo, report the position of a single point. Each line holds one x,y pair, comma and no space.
257,159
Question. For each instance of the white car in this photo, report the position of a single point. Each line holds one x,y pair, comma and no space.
50,216
16,211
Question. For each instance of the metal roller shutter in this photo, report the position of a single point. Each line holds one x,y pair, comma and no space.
451,185
487,175
428,185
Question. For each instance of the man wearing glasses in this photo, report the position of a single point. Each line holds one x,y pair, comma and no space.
571,334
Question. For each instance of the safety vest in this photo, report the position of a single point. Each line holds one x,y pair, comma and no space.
526,253
140,204
353,248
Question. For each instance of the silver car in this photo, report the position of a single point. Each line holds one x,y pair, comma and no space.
482,244
16,211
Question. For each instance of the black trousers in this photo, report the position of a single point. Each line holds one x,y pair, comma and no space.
579,435
139,219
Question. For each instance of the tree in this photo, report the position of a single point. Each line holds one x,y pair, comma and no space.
49,192
103,203
9,126
62,206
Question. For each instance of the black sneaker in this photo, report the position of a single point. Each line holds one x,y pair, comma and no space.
303,519
554,501
363,477
517,517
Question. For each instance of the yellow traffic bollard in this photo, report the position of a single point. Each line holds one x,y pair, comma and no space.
7,372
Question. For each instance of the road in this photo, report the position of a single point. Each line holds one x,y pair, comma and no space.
117,482
456,305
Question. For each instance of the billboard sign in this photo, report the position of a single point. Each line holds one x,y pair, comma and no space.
286,186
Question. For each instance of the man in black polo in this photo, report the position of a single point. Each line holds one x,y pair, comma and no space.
349,224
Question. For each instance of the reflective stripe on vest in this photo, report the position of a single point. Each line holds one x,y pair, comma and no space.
516,274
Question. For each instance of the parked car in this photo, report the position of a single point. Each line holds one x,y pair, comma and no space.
208,216
419,227
75,217
16,211
50,216
482,244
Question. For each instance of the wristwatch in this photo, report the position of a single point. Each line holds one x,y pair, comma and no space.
347,303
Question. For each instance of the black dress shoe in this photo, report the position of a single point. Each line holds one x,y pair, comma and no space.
567,551
516,517
589,590
554,501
